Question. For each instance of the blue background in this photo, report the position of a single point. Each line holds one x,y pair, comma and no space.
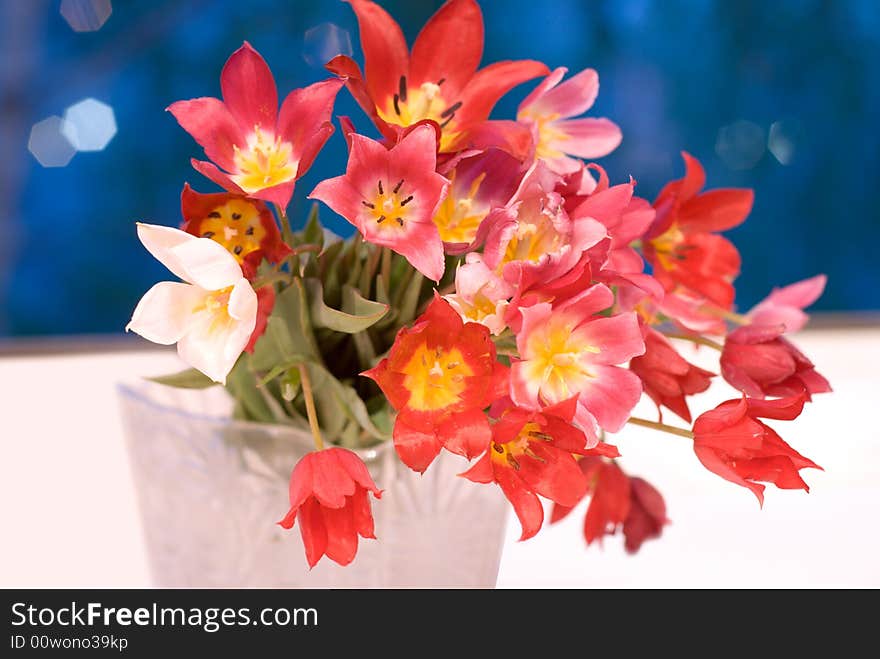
673,75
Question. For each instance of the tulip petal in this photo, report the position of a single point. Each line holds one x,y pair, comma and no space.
416,449
212,125
481,471
589,137
571,98
543,87
386,56
210,171
467,433
489,84
206,263
449,47
611,395
362,513
342,536
716,210
304,112
526,504
711,460
617,339
164,312
314,533
213,343
249,90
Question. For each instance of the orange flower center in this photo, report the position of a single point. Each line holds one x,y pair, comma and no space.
387,208
236,225
435,378
507,454
266,161
666,246
458,218
409,106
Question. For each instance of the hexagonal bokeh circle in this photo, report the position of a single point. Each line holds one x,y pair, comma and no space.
323,42
86,15
48,143
89,125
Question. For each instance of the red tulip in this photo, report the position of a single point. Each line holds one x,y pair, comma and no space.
667,377
682,244
438,81
647,515
391,196
329,496
531,454
758,361
617,500
244,226
256,149
731,442
440,375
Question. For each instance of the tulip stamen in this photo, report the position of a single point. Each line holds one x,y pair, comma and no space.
406,201
397,187
451,110
402,89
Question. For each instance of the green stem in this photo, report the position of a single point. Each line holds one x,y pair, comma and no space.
737,318
656,425
286,231
386,268
272,278
700,340
306,384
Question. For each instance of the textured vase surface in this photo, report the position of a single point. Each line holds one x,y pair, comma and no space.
211,490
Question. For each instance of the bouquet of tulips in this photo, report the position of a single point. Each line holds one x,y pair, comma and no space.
501,299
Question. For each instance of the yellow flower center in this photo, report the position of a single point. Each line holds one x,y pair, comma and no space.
555,360
216,303
458,218
266,161
235,225
387,208
435,378
548,133
666,246
409,106
536,236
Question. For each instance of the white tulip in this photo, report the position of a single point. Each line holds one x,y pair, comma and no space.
210,317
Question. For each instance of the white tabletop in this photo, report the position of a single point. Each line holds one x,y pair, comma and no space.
69,514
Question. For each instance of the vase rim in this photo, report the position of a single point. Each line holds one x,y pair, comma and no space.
141,391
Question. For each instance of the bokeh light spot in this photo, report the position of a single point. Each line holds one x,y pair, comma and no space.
783,139
86,15
89,125
48,143
740,144
324,42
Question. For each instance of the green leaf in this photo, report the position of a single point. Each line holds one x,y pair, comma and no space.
333,395
359,313
313,233
280,370
409,300
250,402
188,379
